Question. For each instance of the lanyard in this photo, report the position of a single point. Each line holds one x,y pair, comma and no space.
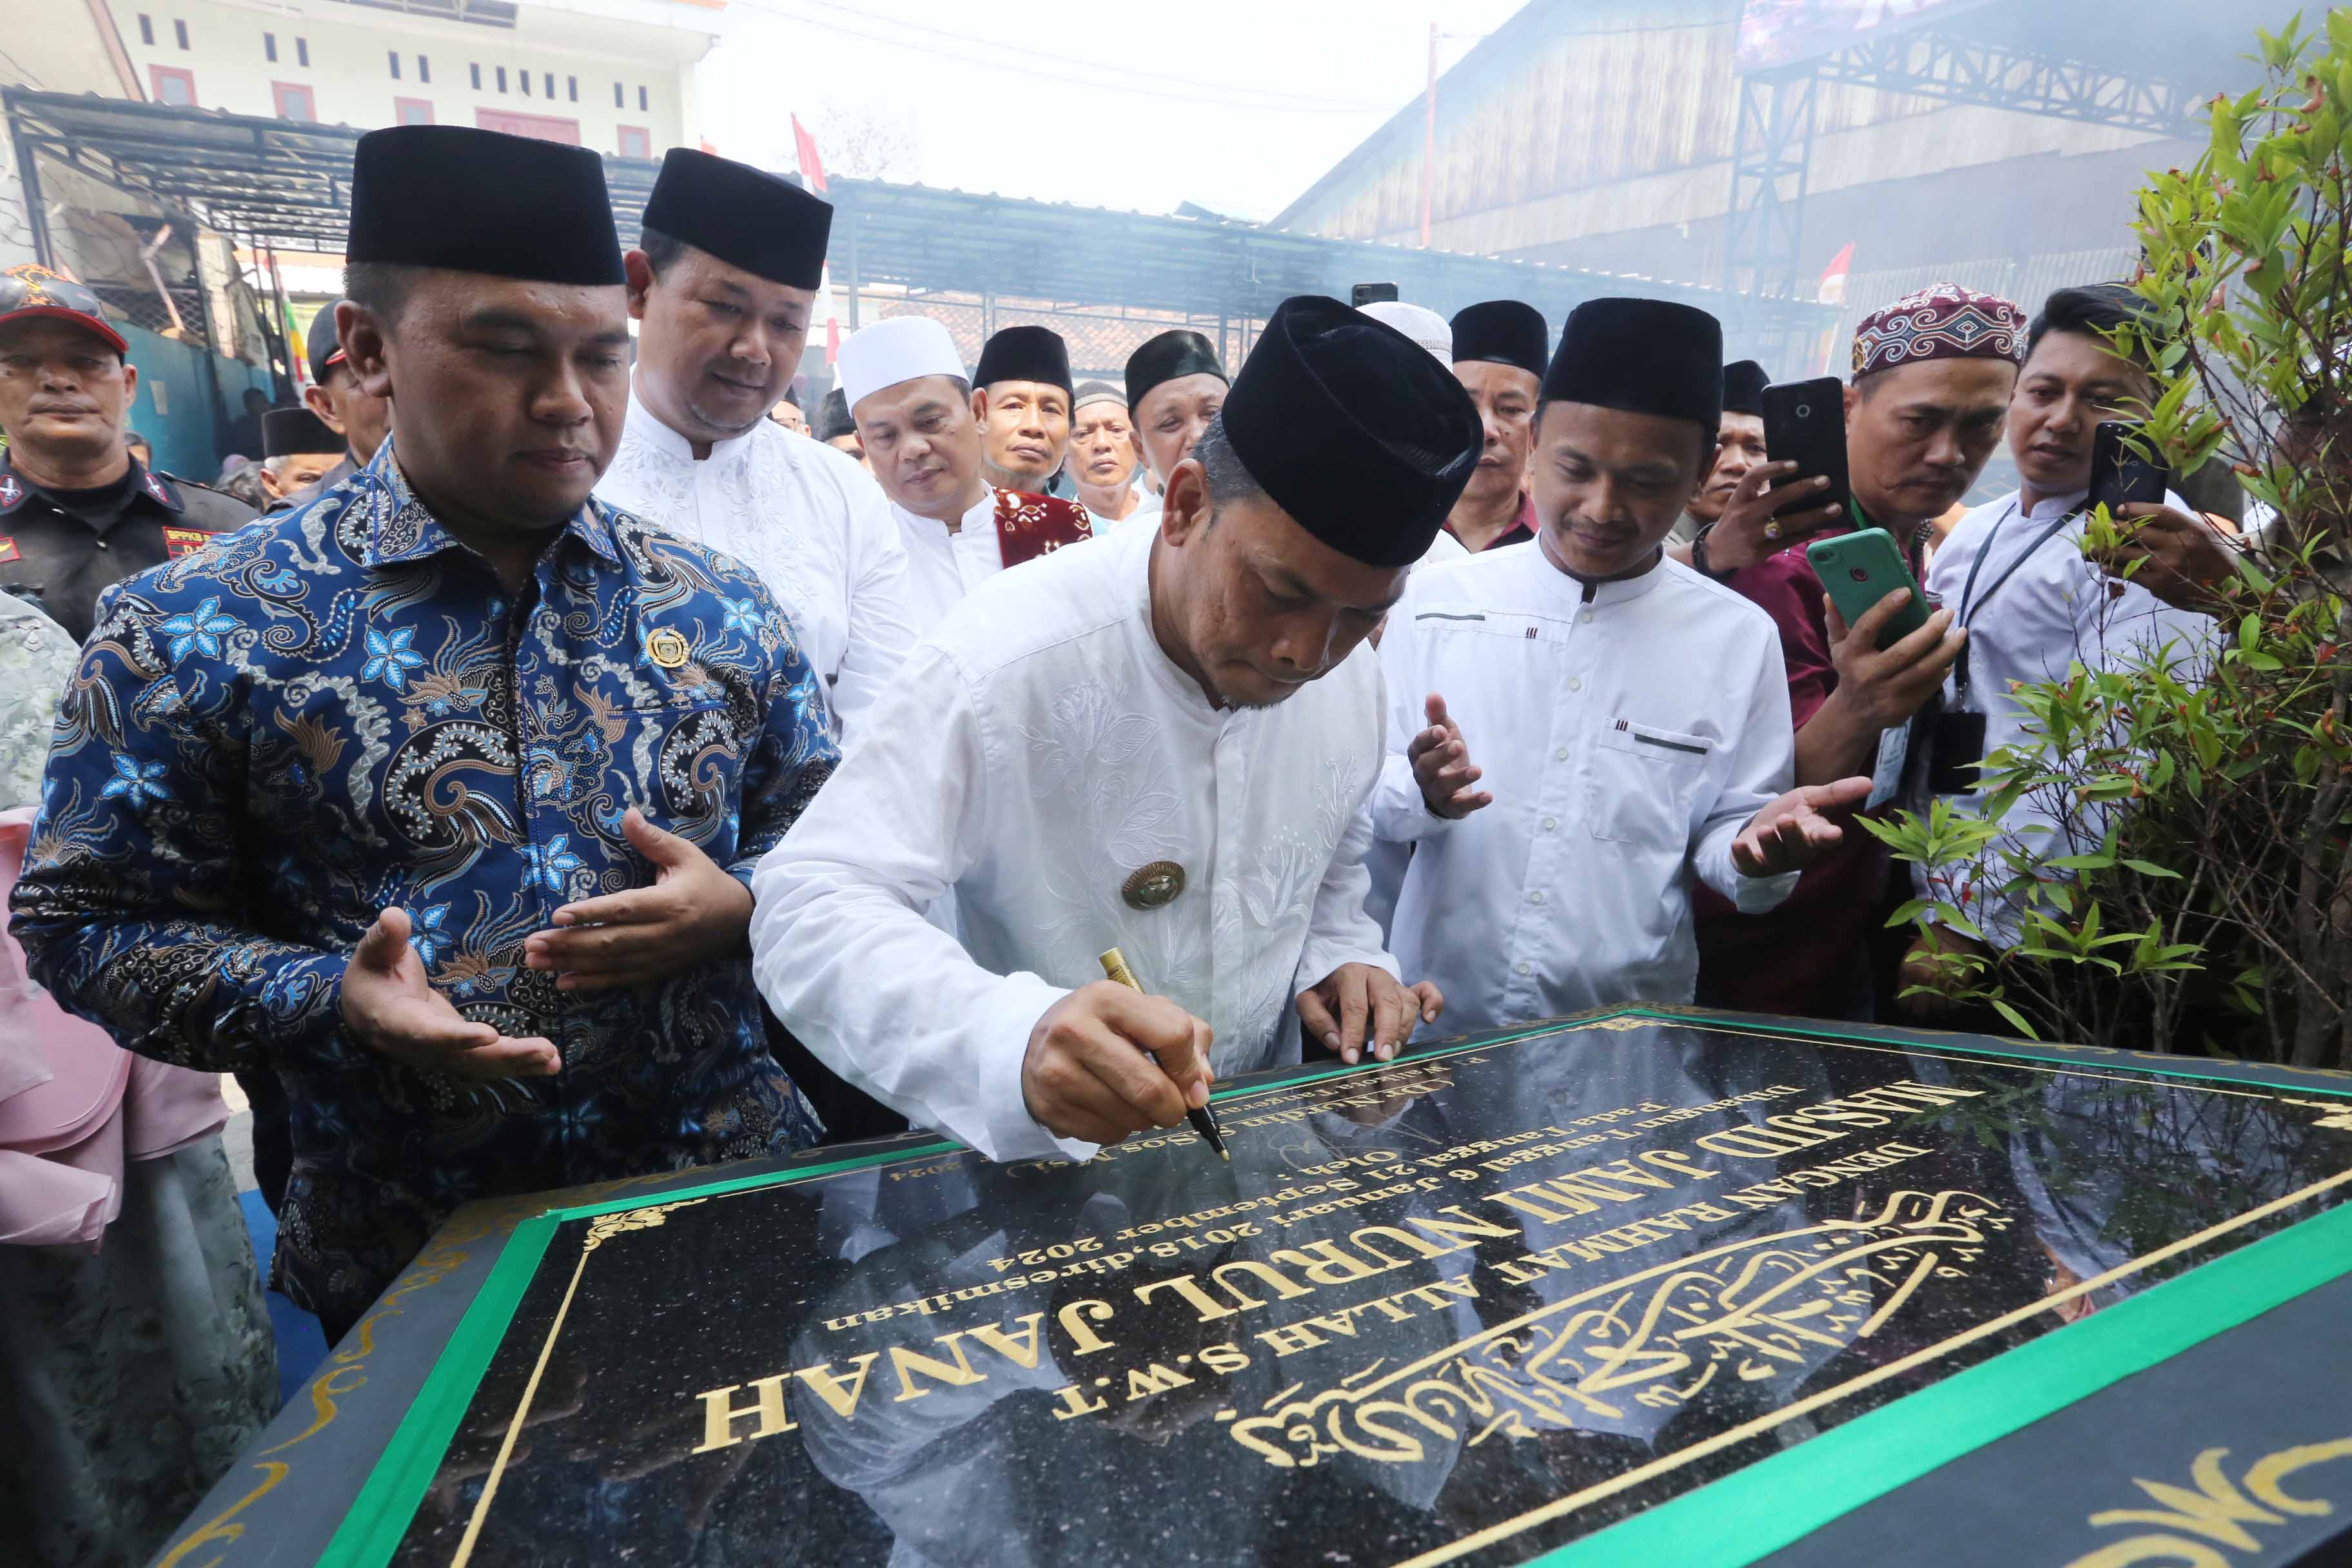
1970,606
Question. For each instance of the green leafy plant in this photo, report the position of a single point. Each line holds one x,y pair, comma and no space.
2170,837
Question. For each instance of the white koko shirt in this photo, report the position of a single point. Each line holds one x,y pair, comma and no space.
1037,750
1627,731
2056,608
807,519
943,567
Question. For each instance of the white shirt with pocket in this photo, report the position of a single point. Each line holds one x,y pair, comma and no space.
1627,731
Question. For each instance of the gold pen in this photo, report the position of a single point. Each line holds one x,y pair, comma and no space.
1114,964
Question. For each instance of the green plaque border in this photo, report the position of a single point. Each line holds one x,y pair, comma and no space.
1724,1524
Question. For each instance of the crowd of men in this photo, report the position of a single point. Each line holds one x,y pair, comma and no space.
580,773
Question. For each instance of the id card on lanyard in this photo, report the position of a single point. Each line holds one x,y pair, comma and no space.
1958,747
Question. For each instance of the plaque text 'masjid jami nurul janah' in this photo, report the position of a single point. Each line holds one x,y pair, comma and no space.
1459,1309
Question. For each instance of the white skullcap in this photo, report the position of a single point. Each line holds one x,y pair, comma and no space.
887,353
1424,327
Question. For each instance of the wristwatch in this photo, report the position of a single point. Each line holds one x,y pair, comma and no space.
1698,556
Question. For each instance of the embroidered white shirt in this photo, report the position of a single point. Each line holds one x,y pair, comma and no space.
943,566
1037,750
807,519
1627,732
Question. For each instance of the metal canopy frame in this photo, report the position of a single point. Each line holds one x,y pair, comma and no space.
287,185
2007,58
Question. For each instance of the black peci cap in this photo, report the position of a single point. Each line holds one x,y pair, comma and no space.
1354,429
745,216
1743,387
1644,356
1167,357
833,419
286,431
1503,330
1024,354
462,200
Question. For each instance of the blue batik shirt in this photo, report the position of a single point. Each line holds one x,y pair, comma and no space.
340,710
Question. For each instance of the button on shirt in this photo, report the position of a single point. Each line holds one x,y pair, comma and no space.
807,519
2058,608
62,556
1627,731
342,710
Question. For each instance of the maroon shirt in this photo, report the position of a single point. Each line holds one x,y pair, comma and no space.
1811,956
1522,529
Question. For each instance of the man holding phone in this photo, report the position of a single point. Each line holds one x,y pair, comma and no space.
1932,375
2033,604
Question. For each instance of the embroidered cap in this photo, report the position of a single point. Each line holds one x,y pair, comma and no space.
1423,325
1097,391
1942,321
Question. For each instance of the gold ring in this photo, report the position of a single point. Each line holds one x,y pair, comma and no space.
1771,531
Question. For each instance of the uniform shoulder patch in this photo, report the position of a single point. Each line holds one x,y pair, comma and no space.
179,541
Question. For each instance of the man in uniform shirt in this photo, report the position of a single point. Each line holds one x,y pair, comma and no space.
475,886
78,512
722,285
1629,718
1021,400
336,396
1103,455
298,450
915,420
1174,387
1162,743
1738,447
1499,350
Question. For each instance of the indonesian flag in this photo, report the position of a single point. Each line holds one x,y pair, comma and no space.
804,147
832,340
1834,276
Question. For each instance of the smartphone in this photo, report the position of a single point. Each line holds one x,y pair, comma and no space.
1859,569
2120,475
1804,424
1364,294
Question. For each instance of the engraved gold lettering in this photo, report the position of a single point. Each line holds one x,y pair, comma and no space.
1763,1142
954,1374
1290,1340
1022,1350
1073,1403
1225,1358
1403,1237
2263,1475
1207,1306
1154,1379
829,1389
1073,1320
1461,1229
1289,1289
719,1416
1674,1160
1325,1265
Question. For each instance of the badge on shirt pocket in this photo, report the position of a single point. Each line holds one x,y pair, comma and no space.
1639,784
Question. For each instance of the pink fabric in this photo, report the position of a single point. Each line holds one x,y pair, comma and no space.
73,1104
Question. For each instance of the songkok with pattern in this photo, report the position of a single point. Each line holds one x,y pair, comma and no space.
1354,429
463,200
1423,325
1642,357
1506,331
288,431
745,216
1167,357
1942,321
1744,382
1024,354
1097,391
903,348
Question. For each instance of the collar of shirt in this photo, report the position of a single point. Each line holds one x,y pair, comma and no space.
1571,589
137,480
2049,509
401,527
647,425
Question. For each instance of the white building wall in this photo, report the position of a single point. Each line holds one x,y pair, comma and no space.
615,75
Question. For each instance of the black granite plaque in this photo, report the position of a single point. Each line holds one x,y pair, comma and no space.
1466,1308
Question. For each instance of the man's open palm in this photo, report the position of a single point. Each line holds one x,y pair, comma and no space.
389,1006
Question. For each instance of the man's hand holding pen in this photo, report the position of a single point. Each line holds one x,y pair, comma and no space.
1106,1061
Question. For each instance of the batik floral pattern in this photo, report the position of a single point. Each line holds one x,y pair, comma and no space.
338,710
